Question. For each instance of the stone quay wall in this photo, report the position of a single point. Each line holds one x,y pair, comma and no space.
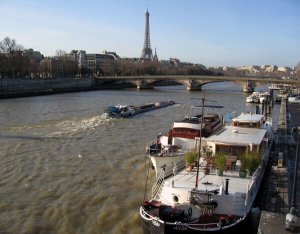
18,87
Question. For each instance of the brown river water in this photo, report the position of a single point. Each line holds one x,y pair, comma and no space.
65,169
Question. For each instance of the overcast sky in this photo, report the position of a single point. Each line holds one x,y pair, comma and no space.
210,32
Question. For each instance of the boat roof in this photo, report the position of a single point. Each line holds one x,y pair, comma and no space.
248,117
238,136
188,124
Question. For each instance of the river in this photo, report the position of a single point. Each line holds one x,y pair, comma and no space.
65,169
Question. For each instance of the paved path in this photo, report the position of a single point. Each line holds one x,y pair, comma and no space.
276,198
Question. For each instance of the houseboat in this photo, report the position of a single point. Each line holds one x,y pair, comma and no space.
194,201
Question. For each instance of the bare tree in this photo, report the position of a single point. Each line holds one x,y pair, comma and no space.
10,46
12,54
60,53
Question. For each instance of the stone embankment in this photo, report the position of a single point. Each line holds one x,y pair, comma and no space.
277,192
18,87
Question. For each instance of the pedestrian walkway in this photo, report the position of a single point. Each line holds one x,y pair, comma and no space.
276,198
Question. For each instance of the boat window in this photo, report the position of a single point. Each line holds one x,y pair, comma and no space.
247,125
183,130
231,150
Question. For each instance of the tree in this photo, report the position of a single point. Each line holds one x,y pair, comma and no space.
60,53
12,56
65,65
10,46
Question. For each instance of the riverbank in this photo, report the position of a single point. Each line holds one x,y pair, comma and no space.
277,195
21,87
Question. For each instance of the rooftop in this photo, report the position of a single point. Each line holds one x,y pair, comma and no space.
239,136
248,117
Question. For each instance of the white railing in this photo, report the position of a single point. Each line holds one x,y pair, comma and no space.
178,166
159,182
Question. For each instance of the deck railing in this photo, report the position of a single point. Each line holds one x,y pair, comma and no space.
159,182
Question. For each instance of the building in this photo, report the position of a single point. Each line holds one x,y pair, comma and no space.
269,68
95,63
49,67
33,55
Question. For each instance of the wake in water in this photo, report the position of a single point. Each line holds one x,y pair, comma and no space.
84,124
62,128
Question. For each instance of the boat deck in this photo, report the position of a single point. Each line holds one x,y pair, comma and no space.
186,180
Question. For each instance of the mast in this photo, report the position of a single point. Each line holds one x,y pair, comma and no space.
202,120
199,146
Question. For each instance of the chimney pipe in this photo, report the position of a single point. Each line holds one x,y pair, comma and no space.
257,110
226,186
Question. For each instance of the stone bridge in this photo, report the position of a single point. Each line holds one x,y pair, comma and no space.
194,82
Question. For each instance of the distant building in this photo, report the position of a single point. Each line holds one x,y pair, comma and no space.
284,69
113,54
73,55
269,68
175,62
250,69
48,67
82,62
96,63
33,55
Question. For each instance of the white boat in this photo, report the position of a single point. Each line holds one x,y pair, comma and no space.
258,97
264,97
294,99
169,149
194,202
252,99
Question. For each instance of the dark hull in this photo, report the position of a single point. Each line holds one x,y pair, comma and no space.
141,109
150,227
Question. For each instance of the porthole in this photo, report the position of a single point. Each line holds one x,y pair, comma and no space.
175,199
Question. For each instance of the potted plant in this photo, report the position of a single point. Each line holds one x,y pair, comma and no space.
190,158
209,162
220,162
252,161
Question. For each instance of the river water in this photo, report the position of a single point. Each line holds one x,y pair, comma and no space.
65,169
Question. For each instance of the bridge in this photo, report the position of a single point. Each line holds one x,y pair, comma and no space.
194,82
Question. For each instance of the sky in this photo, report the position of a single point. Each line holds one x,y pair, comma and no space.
209,32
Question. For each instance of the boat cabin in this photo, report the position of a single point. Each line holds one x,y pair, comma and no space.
236,141
249,120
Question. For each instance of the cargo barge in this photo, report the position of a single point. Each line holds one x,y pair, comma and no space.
125,111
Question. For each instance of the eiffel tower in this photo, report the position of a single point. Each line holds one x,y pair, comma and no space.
147,51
